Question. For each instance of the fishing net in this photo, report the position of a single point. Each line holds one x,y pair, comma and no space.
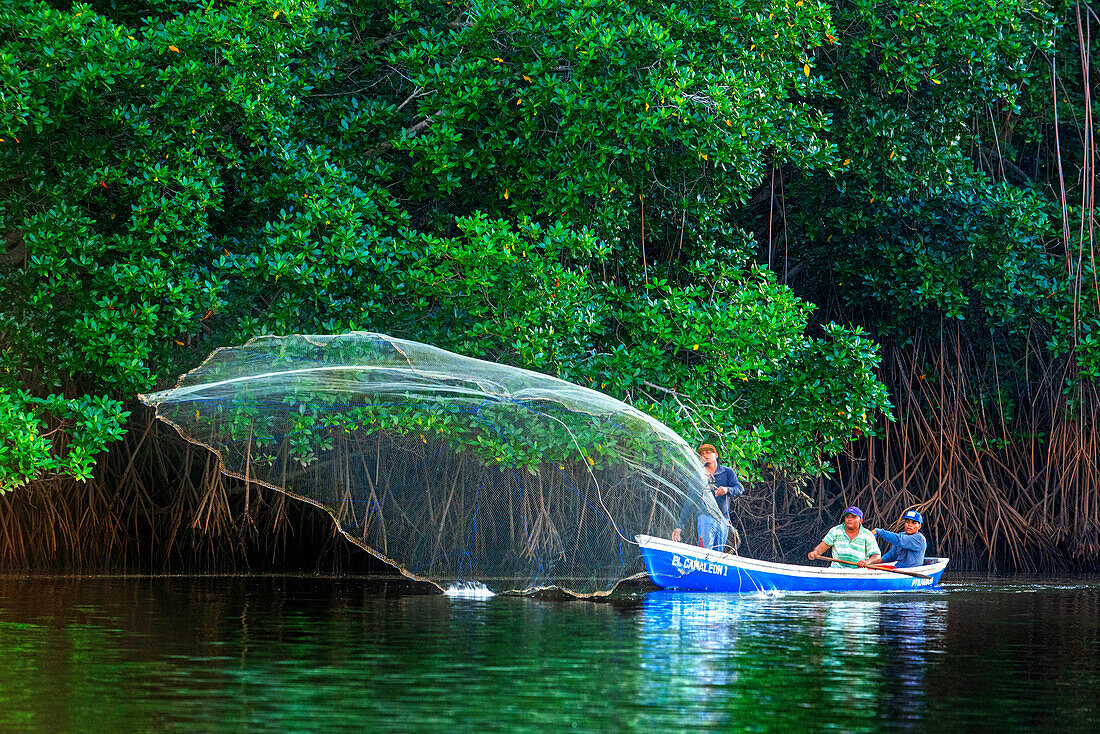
450,468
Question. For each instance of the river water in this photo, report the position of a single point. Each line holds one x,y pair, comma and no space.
279,654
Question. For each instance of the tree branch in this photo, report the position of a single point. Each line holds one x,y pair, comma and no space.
409,132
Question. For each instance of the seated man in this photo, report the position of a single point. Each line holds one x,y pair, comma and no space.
906,549
850,541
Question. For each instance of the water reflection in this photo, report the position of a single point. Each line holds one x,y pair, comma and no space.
910,634
687,643
314,655
851,659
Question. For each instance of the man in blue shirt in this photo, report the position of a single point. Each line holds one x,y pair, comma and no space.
722,483
906,549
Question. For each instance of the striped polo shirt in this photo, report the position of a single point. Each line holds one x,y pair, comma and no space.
863,547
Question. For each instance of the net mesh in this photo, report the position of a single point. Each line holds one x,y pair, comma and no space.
451,468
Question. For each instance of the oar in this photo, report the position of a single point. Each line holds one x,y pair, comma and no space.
902,571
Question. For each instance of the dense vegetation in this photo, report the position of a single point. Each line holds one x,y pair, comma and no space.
778,227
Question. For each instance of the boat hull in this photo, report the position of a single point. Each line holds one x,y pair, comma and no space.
674,565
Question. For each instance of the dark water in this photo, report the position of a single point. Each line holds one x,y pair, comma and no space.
293,654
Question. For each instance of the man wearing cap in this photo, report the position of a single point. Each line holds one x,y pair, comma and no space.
722,482
850,541
906,549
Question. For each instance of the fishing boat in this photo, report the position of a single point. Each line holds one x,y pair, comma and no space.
674,565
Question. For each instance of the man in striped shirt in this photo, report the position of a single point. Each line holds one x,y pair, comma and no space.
850,541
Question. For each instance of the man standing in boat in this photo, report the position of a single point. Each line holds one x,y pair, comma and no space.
850,541
906,549
723,483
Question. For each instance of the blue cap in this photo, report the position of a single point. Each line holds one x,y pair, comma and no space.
913,515
853,510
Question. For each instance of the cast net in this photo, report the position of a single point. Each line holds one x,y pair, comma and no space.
453,469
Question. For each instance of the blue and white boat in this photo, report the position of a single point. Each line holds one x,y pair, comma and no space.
675,565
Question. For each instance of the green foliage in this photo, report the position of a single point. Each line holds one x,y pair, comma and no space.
907,223
82,428
976,252
943,211
574,112
546,184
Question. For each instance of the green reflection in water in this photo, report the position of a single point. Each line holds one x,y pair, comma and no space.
293,654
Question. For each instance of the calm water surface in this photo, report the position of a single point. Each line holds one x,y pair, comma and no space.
294,654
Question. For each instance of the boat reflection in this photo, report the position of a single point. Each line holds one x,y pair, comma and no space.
861,657
912,633
688,641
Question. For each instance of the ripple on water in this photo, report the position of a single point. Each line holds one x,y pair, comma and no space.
469,590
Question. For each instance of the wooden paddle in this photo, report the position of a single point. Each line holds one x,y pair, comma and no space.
902,571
